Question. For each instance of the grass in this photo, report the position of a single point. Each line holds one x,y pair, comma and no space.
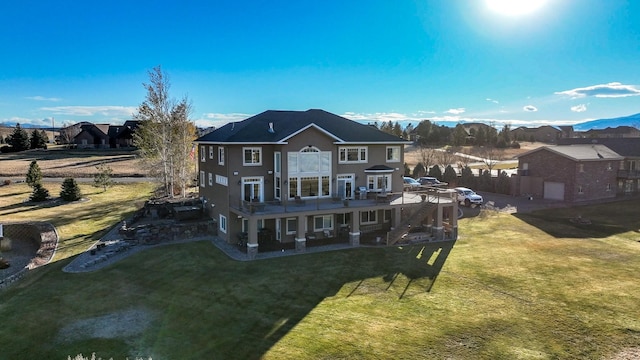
58,161
512,287
79,224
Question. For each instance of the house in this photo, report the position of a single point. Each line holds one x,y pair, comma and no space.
102,136
628,179
612,132
92,136
547,134
295,177
569,173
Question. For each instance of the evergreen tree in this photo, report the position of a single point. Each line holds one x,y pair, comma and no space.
407,170
419,170
37,141
18,139
503,186
39,193
449,175
34,174
435,172
484,182
103,177
70,190
467,179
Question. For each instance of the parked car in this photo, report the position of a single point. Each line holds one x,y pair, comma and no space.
411,184
430,181
468,197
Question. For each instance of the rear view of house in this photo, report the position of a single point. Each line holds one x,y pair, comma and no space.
293,177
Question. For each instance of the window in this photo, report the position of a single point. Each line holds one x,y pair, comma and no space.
223,223
203,156
222,180
323,222
581,167
252,156
368,217
202,179
210,179
210,151
352,155
379,182
220,155
393,153
580,189
292,226
609,168
609,187
387,216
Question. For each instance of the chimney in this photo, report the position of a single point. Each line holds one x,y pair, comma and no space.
271,128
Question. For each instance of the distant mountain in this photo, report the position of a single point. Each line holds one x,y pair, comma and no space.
631,120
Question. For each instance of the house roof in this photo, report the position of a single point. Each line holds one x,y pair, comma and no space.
580,152
285,124
628,147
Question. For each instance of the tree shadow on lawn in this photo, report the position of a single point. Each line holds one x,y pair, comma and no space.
587,221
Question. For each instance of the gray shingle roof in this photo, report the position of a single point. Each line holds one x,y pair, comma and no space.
286,124
629,147
581,152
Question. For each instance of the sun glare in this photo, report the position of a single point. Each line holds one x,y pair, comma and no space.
515,7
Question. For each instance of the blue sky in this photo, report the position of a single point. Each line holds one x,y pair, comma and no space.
446,60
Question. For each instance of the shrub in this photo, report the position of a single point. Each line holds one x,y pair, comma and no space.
7,181
70,190
39,193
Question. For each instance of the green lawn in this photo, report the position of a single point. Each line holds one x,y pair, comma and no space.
512,287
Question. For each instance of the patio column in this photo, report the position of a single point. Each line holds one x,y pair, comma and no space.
438,229
354,234
301,238
252,241
454,221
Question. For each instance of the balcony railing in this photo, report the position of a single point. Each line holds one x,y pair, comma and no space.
372,199
629,174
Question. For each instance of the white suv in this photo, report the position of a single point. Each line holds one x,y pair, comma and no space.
468,196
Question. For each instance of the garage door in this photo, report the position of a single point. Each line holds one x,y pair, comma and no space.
553,190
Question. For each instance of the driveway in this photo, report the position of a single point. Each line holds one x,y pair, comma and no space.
511,204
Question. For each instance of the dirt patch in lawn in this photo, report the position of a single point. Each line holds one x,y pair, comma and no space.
122,324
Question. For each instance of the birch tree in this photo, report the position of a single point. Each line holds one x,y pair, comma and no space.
164,132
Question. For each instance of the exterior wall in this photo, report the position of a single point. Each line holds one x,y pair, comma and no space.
583,180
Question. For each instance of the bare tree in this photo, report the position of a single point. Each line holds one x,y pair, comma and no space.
491,155
428,156
163,134
68,133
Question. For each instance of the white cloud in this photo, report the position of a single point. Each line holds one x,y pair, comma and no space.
530,108
579,108
610,90
455,111
493,101
42,98
218,119
92,110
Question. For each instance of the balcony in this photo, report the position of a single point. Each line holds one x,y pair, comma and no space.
629,174
372,200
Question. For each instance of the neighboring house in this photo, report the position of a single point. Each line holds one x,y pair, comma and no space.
102,136
547,134
629,172
610,132
569,173
92,136
297,176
